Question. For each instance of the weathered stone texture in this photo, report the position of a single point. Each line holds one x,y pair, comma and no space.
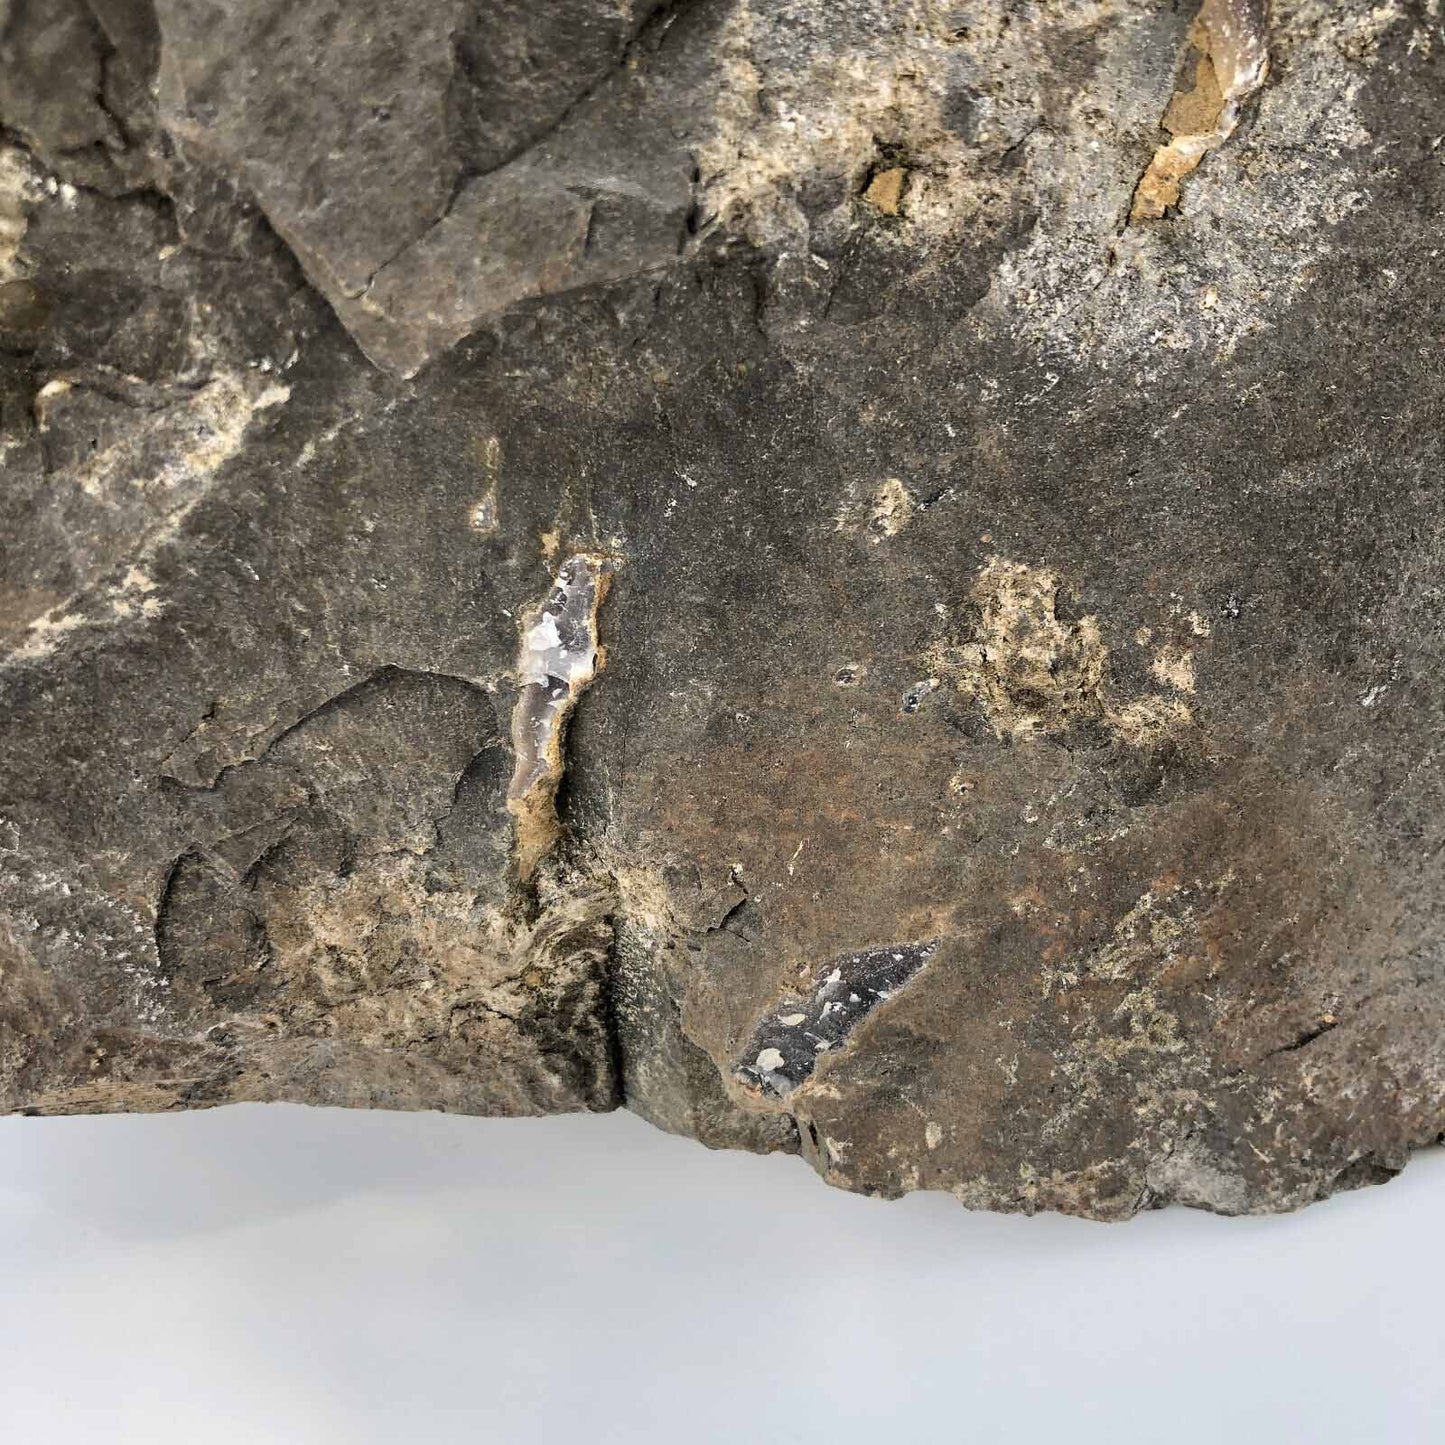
1002,441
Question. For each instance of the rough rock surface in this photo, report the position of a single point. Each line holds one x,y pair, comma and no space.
858,578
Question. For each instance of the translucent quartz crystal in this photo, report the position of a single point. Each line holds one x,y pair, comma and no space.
559,658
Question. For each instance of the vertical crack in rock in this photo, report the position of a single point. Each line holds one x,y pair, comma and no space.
787,1044
1230,60
560,656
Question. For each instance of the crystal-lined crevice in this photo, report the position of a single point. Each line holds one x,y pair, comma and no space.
559,658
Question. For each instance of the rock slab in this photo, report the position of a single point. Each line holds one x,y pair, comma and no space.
862,580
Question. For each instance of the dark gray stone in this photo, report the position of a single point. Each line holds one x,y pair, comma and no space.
1025,557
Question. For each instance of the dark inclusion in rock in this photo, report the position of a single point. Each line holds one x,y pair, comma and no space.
787,1045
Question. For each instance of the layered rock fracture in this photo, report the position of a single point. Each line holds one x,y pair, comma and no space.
862,580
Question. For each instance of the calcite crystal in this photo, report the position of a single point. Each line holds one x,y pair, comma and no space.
856,579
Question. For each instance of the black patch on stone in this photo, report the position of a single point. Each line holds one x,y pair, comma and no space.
786,1046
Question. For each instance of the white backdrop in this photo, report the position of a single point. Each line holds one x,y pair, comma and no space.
270,1274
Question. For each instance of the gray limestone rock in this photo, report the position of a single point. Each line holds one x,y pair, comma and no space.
857,579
